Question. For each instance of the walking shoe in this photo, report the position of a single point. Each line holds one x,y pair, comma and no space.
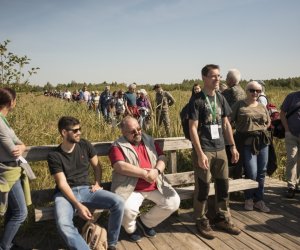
290,193
148,231
135,236
229,227
204,229
260,205
249,204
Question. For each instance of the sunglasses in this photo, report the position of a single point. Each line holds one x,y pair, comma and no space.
258,91
135,131
75,130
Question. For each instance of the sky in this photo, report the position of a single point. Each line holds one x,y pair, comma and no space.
152,41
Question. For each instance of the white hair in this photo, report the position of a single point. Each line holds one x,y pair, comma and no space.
235,75
254,84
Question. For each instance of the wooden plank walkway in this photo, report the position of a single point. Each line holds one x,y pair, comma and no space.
279,229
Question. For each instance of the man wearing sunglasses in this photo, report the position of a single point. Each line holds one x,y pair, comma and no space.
69,165
138,165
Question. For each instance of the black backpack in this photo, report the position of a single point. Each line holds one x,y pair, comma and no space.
184,118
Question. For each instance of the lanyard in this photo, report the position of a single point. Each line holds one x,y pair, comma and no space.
212,108
4,119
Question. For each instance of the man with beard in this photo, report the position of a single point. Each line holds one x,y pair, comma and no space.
69,164
138,164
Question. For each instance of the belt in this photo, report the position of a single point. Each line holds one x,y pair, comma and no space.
11,163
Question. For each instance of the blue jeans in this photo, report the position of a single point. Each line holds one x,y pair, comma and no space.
255,169
16,213
102,199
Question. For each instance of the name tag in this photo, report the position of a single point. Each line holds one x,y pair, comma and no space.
214,131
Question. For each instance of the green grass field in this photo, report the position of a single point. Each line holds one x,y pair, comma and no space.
35,122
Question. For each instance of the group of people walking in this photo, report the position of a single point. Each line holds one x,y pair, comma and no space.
118,104
138,163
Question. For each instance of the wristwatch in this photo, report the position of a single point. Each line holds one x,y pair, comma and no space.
159,172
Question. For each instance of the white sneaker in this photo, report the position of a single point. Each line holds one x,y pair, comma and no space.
249,205
260,205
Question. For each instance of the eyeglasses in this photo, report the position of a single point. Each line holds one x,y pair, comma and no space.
135,131
75,130
258,91
215,76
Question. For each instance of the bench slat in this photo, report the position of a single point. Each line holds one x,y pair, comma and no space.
47,213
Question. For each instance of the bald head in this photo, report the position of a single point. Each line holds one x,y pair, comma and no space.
131,130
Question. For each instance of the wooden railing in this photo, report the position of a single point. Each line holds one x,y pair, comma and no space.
183,182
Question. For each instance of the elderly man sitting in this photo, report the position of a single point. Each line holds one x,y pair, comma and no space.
138,164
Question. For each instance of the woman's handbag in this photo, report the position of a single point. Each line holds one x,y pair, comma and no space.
95,236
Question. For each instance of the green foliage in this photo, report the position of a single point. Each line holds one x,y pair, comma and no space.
12,67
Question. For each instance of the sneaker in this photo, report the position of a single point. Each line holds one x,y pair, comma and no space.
135,236
111,247
290,193
249,204
229,227
260,205
204,229
148,231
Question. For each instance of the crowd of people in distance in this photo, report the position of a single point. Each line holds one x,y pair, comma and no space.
118,104
228,126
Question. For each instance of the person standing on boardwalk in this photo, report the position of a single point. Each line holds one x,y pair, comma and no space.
163,101
251,120
69,165
138,165
290,118
14,173
234,92
208,122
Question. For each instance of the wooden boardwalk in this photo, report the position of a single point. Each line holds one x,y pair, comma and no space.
279,229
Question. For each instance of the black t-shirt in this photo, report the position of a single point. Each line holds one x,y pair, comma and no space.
200,110
75,164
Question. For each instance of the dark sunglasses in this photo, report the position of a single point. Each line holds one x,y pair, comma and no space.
75,130
258,91
135,131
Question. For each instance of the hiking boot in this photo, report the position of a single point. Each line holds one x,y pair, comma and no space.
229,227
204,229
260,205
290,193
135,236
248,205
148,232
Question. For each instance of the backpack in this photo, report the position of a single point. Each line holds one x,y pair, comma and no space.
184,114
184,118
276,126
95,236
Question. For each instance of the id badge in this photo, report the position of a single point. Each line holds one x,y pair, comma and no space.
214,131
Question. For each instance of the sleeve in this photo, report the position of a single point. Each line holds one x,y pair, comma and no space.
234,113
226,108
90,149
158,149
286,104
8,139
54,163
115,154
170,98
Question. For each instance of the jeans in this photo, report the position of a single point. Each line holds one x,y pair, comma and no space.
16,213
101,199
292,145
255,169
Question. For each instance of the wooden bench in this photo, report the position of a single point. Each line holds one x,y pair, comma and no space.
183,182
